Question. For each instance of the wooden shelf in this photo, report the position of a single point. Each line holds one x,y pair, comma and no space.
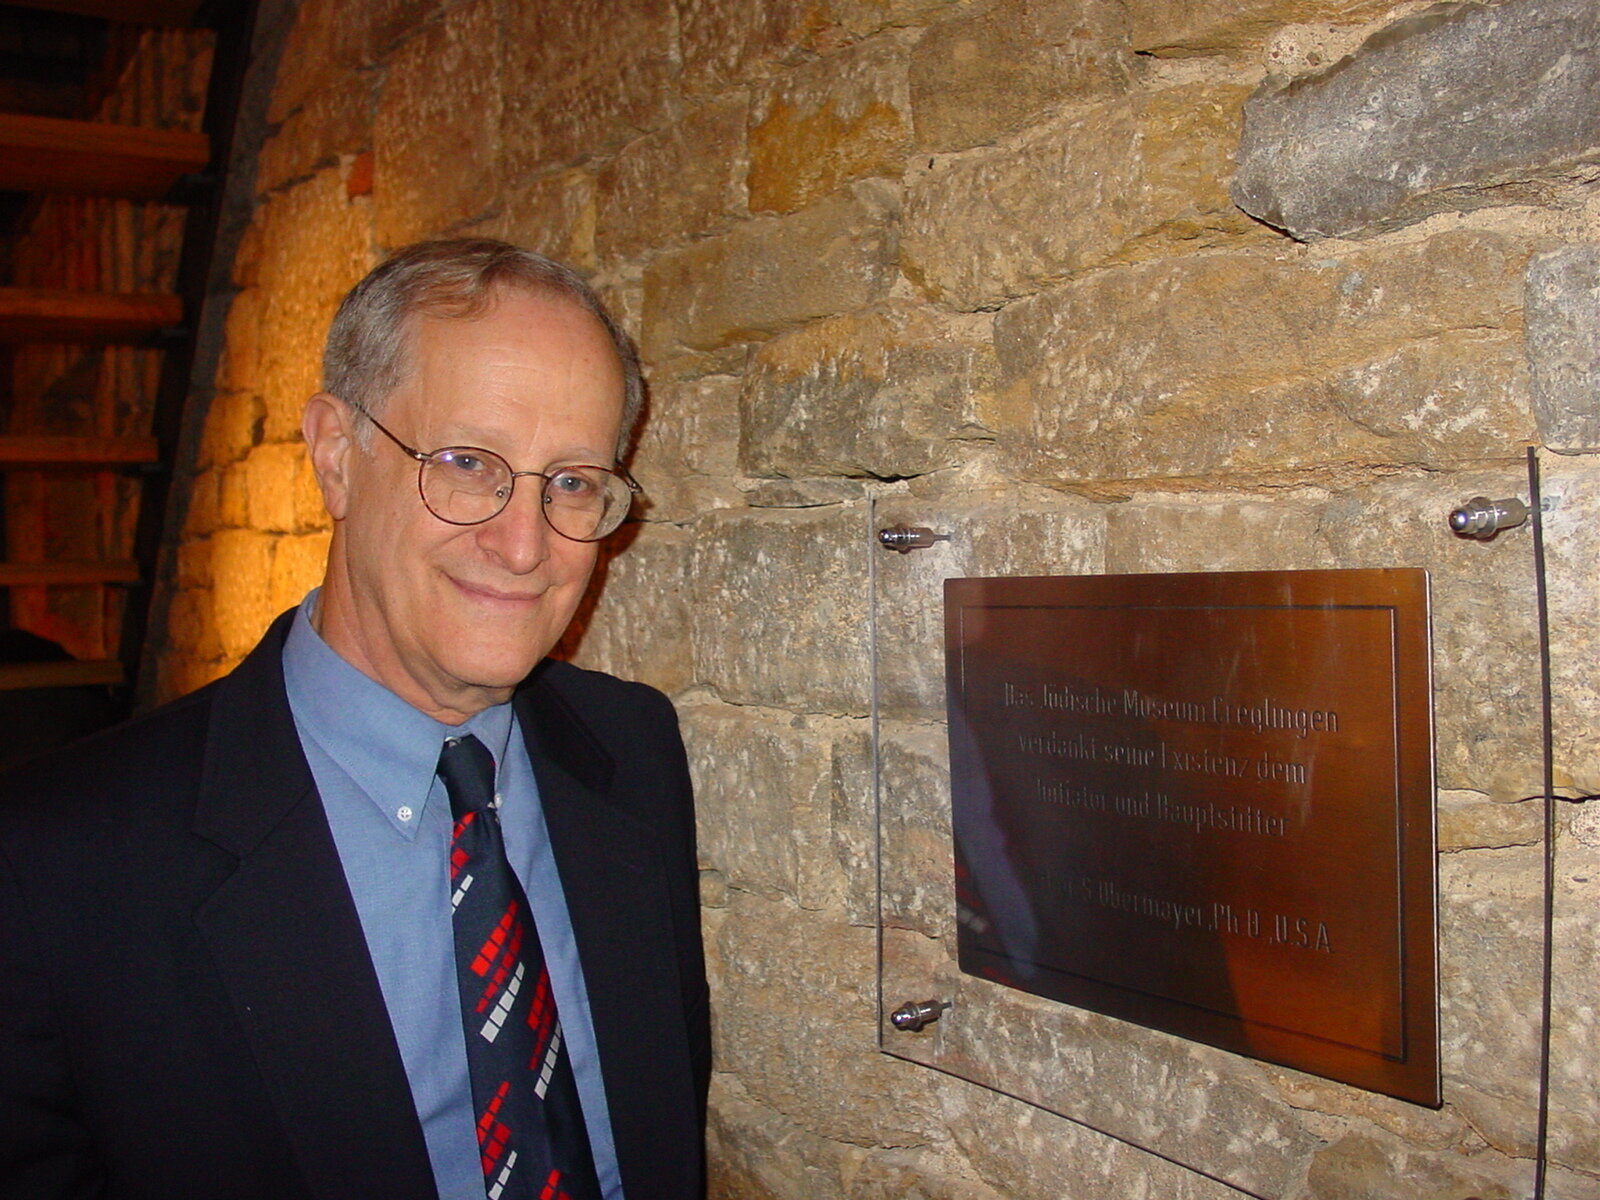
24,450
58,574
49,154
57,315
131,12
65,673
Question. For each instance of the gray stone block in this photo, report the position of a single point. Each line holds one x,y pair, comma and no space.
1455,108
1563,331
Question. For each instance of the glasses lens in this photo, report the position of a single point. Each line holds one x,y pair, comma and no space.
464,486
585,503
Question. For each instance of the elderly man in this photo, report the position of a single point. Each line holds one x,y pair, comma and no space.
399,908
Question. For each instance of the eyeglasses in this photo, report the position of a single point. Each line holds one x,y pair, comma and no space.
467,485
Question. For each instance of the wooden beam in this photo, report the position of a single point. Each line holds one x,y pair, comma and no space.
52,315
48,154
132,12
52,154
64,673
58,574
28,450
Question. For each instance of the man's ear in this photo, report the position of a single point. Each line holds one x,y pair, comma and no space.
329,429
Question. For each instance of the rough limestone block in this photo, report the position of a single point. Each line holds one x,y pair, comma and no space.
1575,1040
764,800
232,427
878,393
388,21
233,497
298,563
1180,28
1489,956
1469,820
328,39
436,138
635,621
1360,1164
757,1153
1572,548
854,824
804,493
281,490
726,43
239,366
1029,1153
582,79
192,564
189,622
1184,1100
1005,66
202,514
1128,178
771,273
797,1025
553,214
334,120
1160,532
318,244
729,42
1252,363
1563,319
828,122
1457,107
778,608
1020,531
703,155
1486,689
916,847
685,456
242,599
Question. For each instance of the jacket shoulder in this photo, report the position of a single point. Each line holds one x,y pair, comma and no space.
116,764
596,695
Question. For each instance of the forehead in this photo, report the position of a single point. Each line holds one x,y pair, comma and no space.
545,352
548,326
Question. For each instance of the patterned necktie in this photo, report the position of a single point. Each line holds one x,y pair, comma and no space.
531,1134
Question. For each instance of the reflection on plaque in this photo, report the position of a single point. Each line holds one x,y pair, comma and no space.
1204,803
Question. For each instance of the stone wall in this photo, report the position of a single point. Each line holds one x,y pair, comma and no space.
1095,287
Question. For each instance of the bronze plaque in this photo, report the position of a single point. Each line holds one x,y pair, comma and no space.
1204,803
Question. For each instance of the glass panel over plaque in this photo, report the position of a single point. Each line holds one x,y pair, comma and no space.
1186,834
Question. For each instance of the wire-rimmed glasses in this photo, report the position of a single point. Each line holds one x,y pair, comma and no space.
468,485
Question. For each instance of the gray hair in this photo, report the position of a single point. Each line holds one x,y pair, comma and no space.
369,343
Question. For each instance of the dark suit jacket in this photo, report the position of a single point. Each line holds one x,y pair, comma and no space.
187,1008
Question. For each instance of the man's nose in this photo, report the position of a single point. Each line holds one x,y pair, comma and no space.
519,536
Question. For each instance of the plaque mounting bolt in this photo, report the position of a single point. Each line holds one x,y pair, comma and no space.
906,538
1482,518
915,1014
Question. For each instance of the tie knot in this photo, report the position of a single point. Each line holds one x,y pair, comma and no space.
467,768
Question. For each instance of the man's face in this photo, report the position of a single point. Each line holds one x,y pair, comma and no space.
452,617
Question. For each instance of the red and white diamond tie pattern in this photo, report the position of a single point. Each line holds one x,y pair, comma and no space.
530,1126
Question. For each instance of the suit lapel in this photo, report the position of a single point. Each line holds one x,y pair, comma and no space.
614,882
288,944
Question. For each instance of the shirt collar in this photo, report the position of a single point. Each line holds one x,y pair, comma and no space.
389,749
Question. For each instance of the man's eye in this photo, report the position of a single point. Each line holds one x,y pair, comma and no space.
467,464
570,483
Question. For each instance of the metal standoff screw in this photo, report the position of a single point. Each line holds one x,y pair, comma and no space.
914,1014
1482,518
906,538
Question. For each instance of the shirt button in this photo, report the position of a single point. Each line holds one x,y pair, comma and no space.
404,812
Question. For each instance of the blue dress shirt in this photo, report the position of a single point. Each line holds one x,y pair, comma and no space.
373,757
